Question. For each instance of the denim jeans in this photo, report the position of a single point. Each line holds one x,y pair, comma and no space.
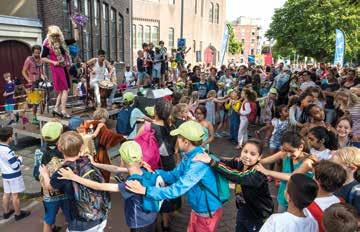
245,225
234,125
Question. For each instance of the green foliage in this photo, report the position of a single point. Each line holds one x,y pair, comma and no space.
234,45
308,27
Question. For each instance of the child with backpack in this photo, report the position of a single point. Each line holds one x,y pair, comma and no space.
128,118
53,159
13,182
349,159
195,179
300,192
140,212
88,208
330,177
253,199
247,115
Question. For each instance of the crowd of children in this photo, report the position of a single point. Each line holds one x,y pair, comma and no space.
307,137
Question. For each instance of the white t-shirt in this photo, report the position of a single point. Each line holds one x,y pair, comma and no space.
321,155
286,222
306,85
129,77
323,203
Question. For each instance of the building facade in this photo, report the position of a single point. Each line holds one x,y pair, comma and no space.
248,31
108,25
203,28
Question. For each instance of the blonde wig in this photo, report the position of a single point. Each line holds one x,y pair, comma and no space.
55,30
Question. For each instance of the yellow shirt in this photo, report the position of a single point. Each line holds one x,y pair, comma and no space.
234,105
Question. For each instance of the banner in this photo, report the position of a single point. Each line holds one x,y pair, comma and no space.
224,44
339,48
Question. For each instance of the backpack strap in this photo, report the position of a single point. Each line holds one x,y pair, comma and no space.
317,213
352,193
203,187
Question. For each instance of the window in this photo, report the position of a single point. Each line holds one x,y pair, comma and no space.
252,32
202,8
242,52
171,37
201,46
76,5
121,39
96,34
134,36
243,41
252,42
196,3
107,30
155,35
252,51
67,22
87,40
113,47
217,13
139,36
211,13
194,45
242,31
172,2
147,34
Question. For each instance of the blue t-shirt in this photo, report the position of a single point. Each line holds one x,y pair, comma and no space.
202,88
135,215
9,87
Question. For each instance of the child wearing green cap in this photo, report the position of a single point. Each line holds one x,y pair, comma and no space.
140,212
53,159
193,179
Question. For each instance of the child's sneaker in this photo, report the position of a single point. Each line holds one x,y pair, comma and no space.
8,214
23,214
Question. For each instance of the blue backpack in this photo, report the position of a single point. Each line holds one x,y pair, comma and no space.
123,121
150,179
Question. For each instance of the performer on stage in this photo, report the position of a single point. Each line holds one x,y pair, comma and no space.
100,71
33,73
56,54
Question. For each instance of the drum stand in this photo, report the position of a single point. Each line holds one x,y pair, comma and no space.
46,100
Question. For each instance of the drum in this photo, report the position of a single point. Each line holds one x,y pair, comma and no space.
35,96
105,87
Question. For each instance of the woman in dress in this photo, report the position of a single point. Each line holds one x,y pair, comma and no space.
55,53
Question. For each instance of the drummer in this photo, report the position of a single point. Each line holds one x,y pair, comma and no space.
100,71
33,72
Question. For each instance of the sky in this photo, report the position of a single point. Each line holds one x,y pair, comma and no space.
263,9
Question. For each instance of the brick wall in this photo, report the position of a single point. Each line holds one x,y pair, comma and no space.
51,13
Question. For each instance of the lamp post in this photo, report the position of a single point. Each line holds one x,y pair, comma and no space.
182,20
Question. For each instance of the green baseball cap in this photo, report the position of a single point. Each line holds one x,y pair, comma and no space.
51,131
229,91
273,91
128,97
190,130
130,152
150,110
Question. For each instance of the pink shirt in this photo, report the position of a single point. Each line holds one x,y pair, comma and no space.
33,69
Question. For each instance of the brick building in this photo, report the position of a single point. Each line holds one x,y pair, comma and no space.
247,31
108,27
24,24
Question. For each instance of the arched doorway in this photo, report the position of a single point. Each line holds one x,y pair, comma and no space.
210,55
13,55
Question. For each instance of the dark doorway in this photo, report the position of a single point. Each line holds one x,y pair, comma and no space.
12,58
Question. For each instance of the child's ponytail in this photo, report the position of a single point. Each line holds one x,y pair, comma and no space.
330,140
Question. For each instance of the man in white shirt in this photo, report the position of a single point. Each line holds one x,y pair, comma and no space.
306,75
129,76
301,191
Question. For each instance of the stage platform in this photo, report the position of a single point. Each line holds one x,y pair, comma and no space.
34,130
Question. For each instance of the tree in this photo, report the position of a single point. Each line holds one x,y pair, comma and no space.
234,44
308,27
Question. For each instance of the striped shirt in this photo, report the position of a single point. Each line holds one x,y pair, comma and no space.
9,163
355,116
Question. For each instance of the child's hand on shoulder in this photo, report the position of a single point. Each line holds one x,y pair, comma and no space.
260,168
204,157
66,174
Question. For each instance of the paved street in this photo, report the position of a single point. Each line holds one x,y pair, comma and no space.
116,221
